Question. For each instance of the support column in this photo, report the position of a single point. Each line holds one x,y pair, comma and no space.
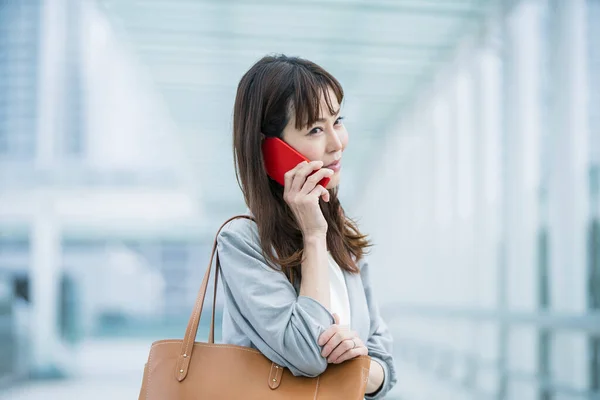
51,81
44,281
45,235
593,45
521,183
568,207
488,148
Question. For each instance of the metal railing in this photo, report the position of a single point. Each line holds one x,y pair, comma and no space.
440,362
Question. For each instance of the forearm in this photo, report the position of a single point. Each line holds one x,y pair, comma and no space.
315,272
376,376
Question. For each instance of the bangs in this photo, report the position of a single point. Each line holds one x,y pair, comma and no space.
309,88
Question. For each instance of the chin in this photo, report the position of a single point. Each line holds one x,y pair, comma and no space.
334,182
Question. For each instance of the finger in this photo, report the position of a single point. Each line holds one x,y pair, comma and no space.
336,318
302,173
320,191
288,177
344,346
327,334
332,330
325,195
350,354
334,342
349,345
313,180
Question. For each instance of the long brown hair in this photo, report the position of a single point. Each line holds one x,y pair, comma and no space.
265,98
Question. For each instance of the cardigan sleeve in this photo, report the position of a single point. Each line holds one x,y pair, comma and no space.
283,326
379,342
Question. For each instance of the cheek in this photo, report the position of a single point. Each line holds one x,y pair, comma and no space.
344,138
311,151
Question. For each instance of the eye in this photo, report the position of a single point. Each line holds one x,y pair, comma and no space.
339,121
315,130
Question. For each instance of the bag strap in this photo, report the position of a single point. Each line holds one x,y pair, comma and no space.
187,346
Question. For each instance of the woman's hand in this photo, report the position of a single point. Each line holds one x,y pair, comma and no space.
302,195
341,343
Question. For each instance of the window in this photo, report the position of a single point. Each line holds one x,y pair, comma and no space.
19,48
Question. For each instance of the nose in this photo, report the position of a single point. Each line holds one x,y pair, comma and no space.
334,143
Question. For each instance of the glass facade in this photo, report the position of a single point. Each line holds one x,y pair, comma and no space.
19,78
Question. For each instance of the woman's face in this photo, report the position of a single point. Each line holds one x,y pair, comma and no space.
325,140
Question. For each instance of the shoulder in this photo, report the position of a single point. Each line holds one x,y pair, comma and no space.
239,243
242,228
240,235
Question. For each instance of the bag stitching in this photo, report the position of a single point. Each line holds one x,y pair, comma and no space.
222,346
213,346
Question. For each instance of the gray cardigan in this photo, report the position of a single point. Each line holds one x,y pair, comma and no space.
264,311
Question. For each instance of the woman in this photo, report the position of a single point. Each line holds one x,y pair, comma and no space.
296,282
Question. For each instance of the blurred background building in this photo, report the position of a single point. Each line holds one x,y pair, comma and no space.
474,163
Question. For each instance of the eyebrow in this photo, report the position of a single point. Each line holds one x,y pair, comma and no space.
333,115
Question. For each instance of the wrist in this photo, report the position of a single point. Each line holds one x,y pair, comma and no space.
376,378
315,239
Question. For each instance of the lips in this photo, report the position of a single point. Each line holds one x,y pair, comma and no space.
335,166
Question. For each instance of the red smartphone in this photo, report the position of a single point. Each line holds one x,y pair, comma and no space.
280,157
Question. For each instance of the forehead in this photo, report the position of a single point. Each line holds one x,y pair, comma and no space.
307,110
330,102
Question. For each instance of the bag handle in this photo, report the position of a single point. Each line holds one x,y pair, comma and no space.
187,346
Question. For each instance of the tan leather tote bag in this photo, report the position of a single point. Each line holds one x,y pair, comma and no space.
188,370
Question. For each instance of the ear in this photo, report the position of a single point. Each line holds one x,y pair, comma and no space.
262,136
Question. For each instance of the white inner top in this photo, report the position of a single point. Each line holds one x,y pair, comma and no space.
339,292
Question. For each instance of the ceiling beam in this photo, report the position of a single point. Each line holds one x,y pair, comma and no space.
172,34
465,9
